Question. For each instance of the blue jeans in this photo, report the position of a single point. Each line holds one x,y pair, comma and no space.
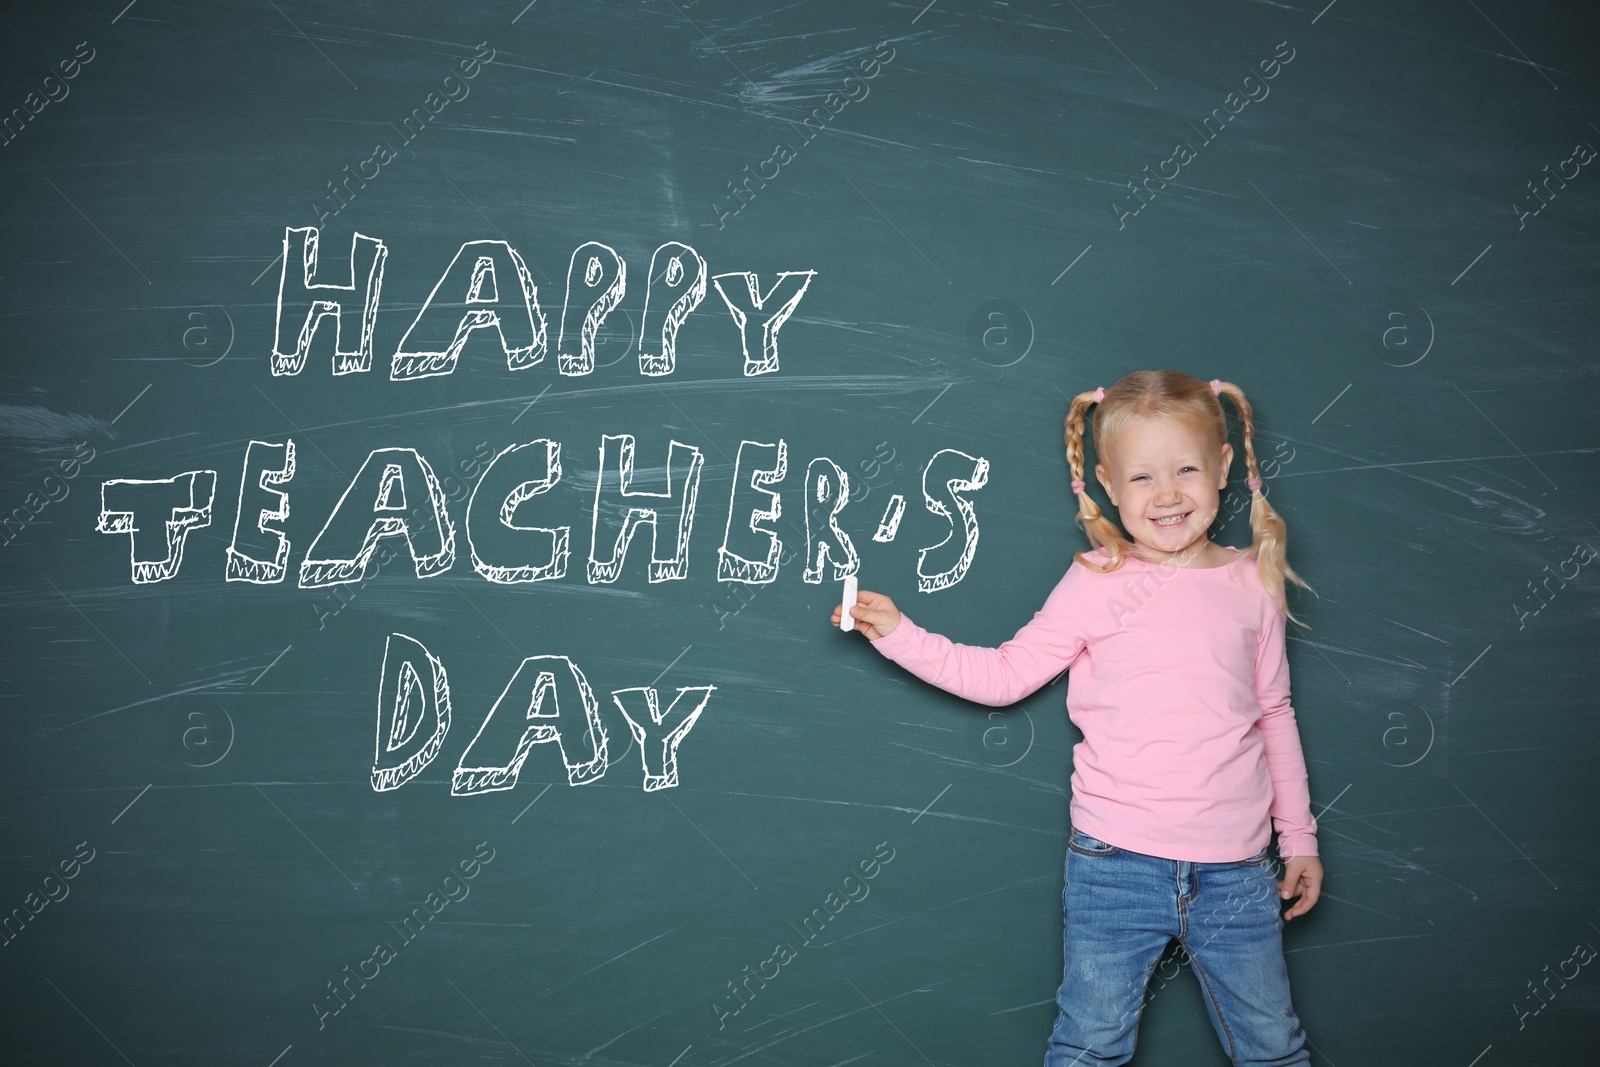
1122,910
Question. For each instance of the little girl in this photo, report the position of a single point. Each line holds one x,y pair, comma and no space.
1190,755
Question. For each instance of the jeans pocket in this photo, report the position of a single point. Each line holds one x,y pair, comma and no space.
1260,859
1084,845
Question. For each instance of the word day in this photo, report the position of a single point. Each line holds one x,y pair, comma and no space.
487,287
396,497
547,701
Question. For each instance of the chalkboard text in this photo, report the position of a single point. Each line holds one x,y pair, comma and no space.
547,701
487,287
396,496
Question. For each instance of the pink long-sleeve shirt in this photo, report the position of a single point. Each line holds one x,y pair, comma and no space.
1179,681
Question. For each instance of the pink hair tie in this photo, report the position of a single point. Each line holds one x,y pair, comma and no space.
1077,485
1216,386
1254,484
1099,395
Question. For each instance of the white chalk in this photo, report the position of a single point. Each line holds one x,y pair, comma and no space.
846,621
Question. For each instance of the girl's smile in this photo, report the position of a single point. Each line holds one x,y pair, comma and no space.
1165,479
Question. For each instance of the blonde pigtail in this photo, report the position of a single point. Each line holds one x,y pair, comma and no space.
1270,537
1101,531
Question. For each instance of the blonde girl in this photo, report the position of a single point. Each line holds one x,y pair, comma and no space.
1190,758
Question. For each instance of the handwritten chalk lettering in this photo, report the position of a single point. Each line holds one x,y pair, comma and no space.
683,470
55,90
453,888
1580,555
759,318
395,493
557,706
662,728
413,712
157,516
547,701
259,553
764,466
309,302
397,499
55,889
961,473
591,296
496,292
827,492
889,525
1582,155
1582,955
492,512
488,287
53,488
678,277
741,992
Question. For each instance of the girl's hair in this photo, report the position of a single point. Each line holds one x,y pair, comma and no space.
1170,394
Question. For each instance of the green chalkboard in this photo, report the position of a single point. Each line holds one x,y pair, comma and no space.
378,376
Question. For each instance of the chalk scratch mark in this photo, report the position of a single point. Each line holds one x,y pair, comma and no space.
1502,833
302,833
101,632
890,1021
90,1021
1363,941
931,803
131,803
490,1021
714,845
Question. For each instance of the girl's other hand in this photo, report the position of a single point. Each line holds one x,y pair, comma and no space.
875,614
1302,877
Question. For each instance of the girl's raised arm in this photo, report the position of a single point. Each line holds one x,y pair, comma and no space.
993,676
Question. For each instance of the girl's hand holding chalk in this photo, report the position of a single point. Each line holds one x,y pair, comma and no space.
875,614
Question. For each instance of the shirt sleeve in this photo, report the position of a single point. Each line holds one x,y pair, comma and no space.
1286,764
995,676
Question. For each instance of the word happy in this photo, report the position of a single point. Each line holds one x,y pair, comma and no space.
488,289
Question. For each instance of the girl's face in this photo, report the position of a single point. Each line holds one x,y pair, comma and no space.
1166,479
